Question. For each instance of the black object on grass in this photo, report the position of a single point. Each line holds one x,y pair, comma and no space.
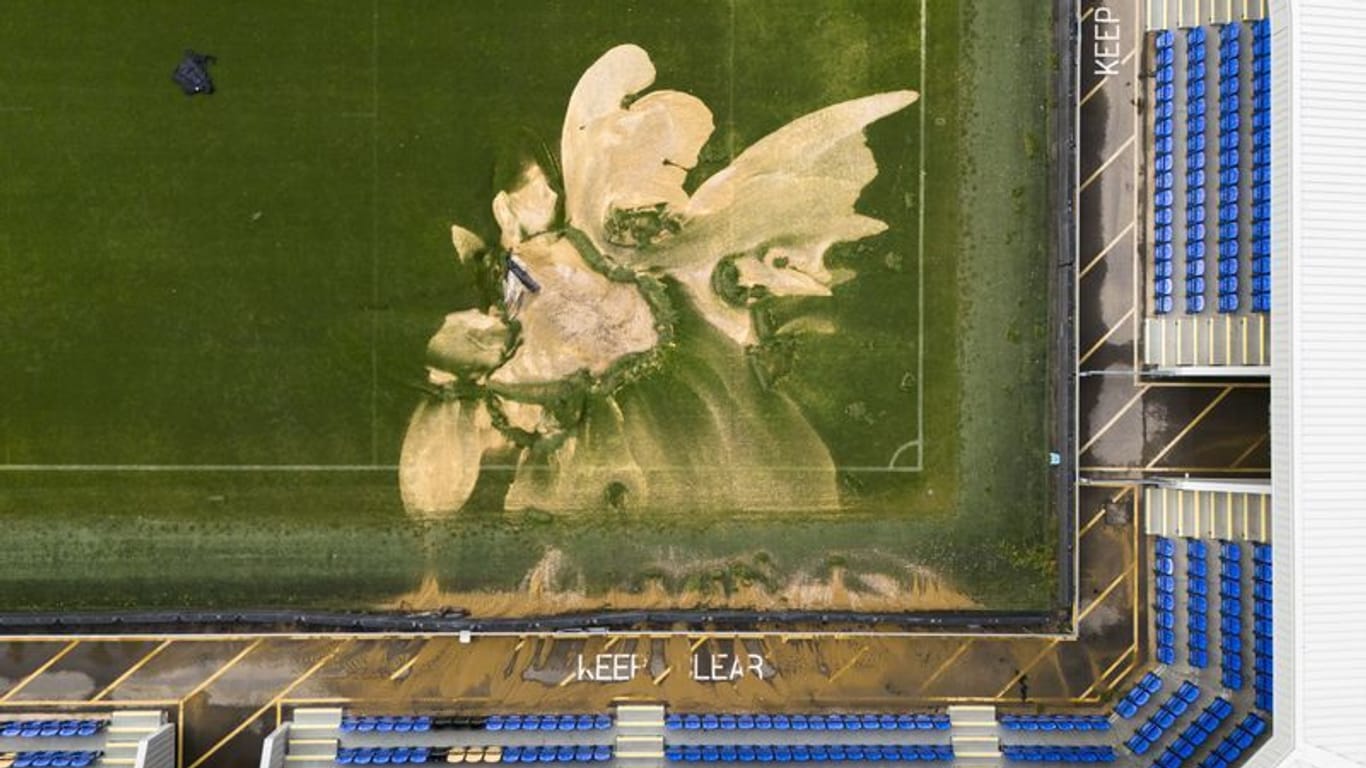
192,75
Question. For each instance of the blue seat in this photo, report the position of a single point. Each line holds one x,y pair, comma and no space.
1188,692
710,722
692,723
1165,583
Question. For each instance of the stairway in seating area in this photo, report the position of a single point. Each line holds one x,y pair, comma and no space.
975,740
126,729
640,735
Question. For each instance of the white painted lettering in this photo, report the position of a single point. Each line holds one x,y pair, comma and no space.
609,668
1107,31
725,667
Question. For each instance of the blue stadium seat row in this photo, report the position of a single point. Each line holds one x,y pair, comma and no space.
1195,168
383,755
1261,165
1055,722
1032,753
832,722
1235,744
1197,607
1231,615
1194,736
1263,666
548,723
56,758
1163,110
803,753
1229,139
547,753
386,724
1174,707
29,729
1164,603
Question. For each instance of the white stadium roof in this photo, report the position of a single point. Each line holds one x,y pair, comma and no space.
1318,401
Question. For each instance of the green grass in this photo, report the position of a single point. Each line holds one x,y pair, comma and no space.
250,279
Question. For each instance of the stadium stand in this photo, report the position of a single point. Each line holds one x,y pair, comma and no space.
1261,166
1194,736
141,739
36,729
1164,603
1138,696
1262,612
1055,723
1211,197
1197,603
1231,615
1031,753
832,722
1162,182
1166,715
1229,144
783,753
423,723
70,758
1195,168
1235,744
544,753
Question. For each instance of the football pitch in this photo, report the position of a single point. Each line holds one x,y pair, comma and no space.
215,314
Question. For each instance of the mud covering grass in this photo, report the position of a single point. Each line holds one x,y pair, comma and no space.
249,279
